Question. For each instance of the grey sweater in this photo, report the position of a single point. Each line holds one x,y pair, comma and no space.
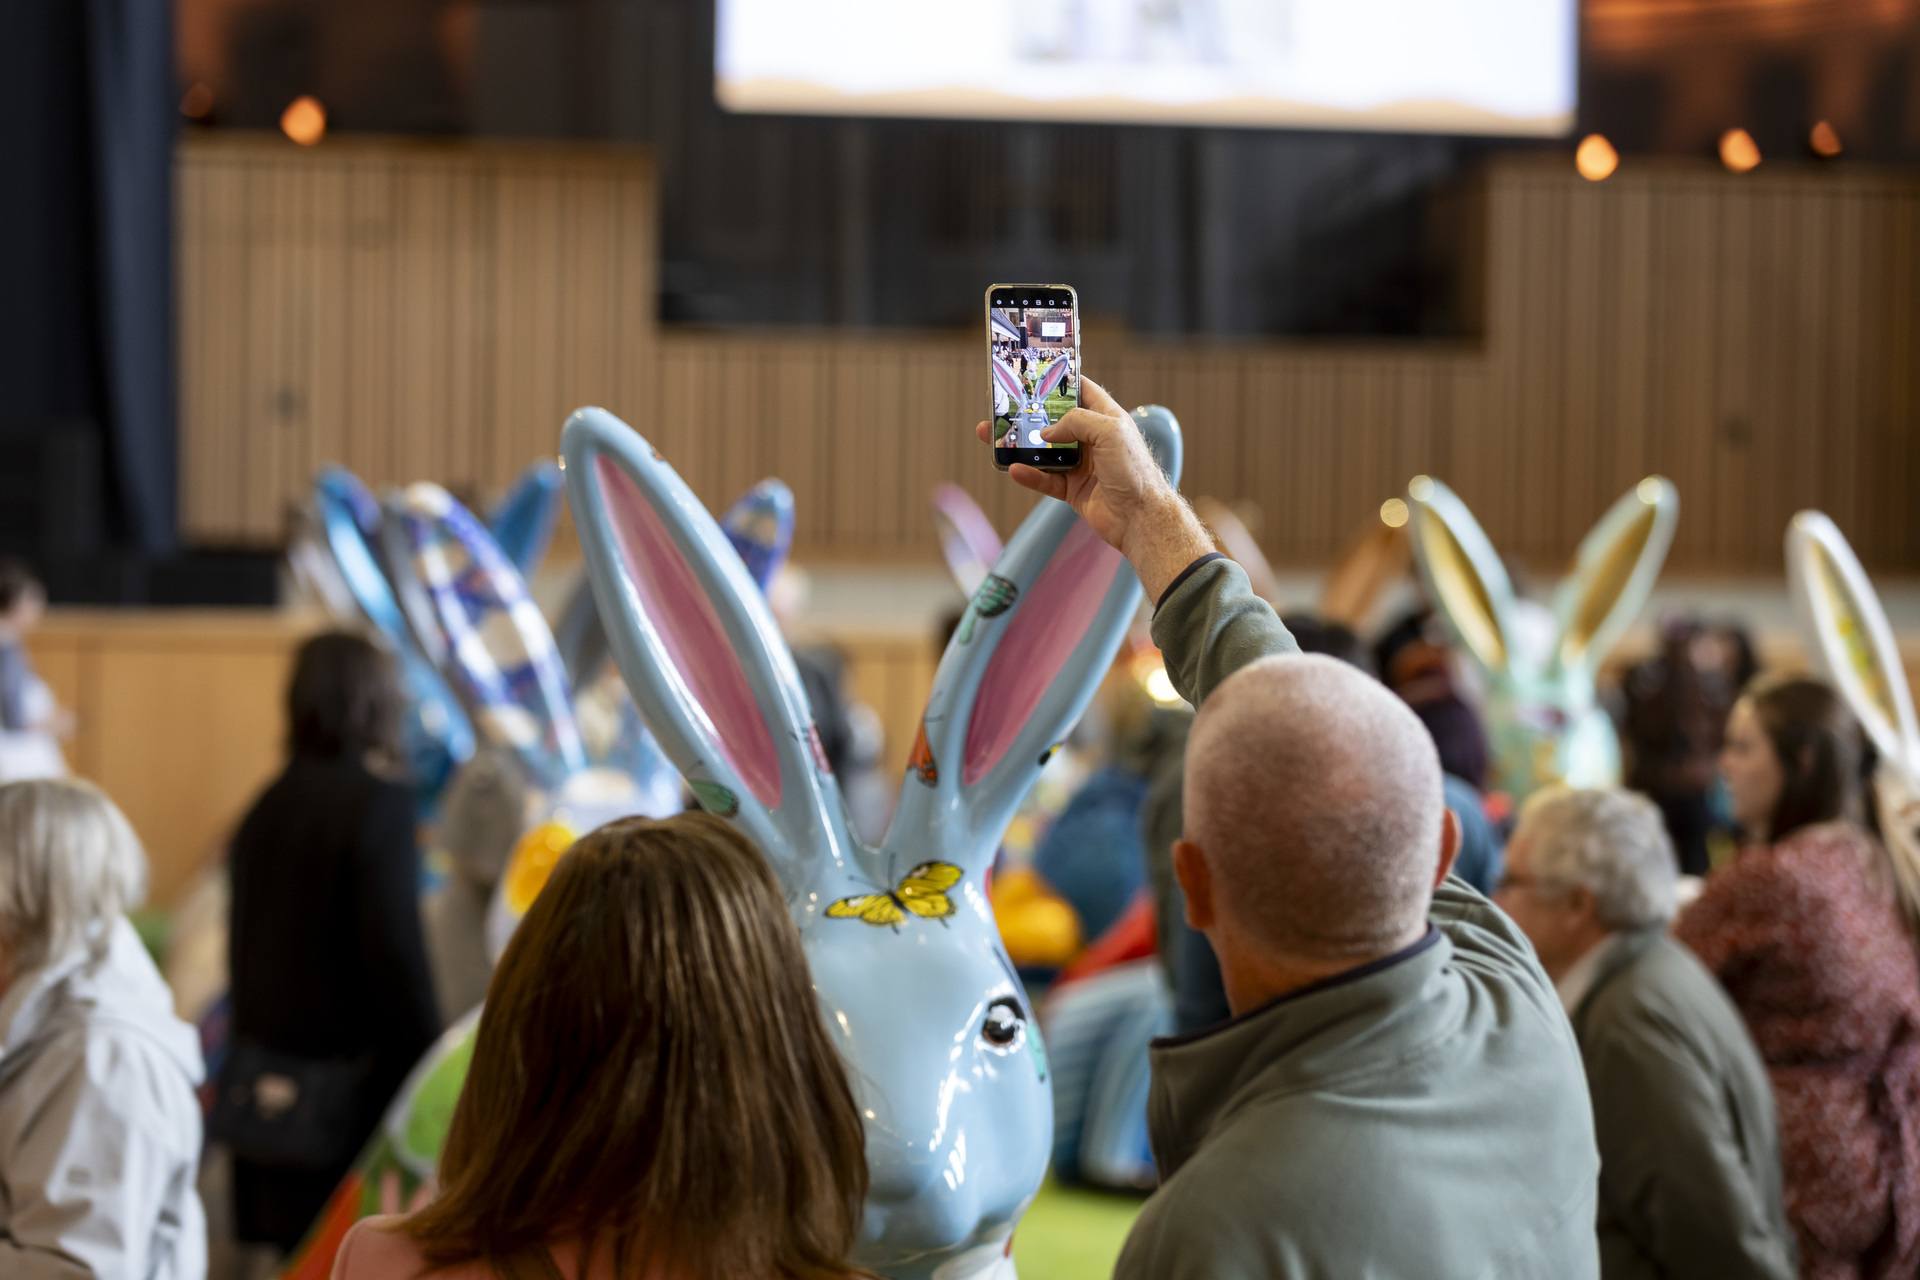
1421,1116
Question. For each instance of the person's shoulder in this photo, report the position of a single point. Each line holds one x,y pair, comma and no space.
1206,1221
1663,996
380,1249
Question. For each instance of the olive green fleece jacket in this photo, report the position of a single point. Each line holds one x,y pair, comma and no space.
1424,1116
1690,1181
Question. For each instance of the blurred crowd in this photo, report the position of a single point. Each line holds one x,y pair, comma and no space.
1306,967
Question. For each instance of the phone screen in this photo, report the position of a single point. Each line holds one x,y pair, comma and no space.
1033,348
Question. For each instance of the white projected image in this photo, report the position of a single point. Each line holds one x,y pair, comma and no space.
1458,66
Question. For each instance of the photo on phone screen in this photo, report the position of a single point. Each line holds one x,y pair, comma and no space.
1033,336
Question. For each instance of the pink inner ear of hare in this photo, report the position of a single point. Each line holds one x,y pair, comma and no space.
1049,623
696,643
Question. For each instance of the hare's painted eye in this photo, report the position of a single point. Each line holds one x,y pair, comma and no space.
1005,1025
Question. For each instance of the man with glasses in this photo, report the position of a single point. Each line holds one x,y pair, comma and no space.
1683,1110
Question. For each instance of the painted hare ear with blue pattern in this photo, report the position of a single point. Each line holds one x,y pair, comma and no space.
500,651
350,525
522,521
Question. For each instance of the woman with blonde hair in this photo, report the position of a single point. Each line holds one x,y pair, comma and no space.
652,1093
99,1124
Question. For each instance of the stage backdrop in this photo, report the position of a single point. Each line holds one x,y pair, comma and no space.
434,310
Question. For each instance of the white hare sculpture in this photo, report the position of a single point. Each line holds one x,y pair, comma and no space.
913,982
1854,645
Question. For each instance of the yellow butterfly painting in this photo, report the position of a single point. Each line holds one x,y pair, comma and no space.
921,892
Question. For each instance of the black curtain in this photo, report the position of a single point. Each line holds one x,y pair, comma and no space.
87,118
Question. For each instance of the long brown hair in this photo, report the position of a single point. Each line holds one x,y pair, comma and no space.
652,1077
1818,744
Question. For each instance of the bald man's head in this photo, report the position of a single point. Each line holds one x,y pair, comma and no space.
1314,795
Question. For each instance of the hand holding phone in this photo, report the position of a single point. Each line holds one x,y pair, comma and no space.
1033,355
1121,492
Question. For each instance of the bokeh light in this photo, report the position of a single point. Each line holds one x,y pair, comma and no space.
1738,151
1824,140
1596,159
1393,513
304,120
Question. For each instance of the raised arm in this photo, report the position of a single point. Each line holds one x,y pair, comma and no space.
1207,620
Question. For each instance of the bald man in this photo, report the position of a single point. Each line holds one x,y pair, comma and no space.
1398,1092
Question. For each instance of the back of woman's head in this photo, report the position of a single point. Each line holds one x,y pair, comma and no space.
1818,744
69,865
652,1078
344,699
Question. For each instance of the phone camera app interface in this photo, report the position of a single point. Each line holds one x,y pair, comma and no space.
1036,378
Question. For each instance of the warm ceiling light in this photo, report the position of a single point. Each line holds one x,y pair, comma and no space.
1738,151
1596,159
1393,513
304,120
1824,140
197,102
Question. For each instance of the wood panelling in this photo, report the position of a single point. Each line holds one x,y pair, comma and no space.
177,715
414,310
408,309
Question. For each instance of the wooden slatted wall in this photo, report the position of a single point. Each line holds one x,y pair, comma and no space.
434,311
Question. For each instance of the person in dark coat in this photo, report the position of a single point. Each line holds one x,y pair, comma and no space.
1690,1181
328,963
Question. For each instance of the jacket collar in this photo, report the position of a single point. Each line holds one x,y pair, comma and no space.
1621,951
1347,1024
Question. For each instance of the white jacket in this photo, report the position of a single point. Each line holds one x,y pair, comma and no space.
99,1124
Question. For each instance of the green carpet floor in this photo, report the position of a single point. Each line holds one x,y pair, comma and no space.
1072,1234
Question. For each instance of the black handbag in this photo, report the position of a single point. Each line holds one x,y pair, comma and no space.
287,1111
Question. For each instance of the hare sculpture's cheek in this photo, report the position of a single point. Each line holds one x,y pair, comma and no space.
950,1077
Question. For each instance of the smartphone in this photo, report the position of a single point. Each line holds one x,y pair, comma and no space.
1033,352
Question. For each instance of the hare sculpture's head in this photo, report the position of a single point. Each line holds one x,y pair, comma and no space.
942,1050
1542,719
1854,645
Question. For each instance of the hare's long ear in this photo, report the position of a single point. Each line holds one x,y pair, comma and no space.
760,527
1613,573
968,542
350,522
501,654
352,527
522,521
1376,559
1050,377
1035,642
1853,642
1234,538
1462,573
698,646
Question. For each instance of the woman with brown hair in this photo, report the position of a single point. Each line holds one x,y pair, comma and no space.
1805,931
652,1092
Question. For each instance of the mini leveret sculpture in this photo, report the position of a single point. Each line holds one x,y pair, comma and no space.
1542,719
912,980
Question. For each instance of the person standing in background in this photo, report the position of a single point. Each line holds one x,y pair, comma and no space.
31,723
333,1001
